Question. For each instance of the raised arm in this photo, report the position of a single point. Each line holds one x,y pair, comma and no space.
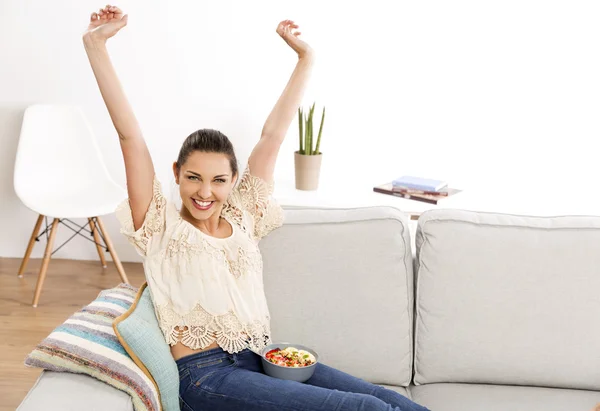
263,157
138,163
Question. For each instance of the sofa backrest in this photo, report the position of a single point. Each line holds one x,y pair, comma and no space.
505,299
340,281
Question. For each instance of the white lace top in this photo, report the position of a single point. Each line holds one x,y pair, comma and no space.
204,288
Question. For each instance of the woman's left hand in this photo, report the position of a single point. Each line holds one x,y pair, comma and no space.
284,29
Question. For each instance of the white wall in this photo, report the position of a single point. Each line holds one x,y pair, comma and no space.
474,92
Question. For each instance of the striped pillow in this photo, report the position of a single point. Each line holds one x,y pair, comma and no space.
86,343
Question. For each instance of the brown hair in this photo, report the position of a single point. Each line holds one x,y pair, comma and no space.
208,141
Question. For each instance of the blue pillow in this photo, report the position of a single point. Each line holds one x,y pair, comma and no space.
139,333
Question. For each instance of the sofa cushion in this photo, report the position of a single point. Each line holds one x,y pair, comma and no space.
66,391
508,299
86,343
340,281
475,397
401,390
139,333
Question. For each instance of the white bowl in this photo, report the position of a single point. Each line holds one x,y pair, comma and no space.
299,374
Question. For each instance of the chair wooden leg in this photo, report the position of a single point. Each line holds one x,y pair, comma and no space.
34,234
97,241
112,251
45,262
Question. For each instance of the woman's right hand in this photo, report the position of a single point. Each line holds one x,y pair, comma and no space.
105,23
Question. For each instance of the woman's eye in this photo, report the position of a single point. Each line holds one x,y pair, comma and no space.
192,177
220,180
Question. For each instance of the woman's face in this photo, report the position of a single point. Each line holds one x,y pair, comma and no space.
205,181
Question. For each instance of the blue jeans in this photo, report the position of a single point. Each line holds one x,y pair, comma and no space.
217,380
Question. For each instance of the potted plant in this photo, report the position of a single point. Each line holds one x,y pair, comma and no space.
307,160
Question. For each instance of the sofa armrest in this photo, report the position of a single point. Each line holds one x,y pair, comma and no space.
73,392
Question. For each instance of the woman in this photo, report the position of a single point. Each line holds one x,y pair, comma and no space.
203,264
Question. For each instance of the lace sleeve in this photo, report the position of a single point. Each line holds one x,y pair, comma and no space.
154,221
254,194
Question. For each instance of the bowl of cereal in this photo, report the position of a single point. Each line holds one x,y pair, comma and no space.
289,361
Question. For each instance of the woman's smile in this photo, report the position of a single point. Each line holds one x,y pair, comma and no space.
202,205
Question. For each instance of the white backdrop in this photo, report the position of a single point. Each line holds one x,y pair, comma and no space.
477,93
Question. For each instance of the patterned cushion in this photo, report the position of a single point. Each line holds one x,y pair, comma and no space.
86,343
140,334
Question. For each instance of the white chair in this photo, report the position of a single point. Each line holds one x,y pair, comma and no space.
59,173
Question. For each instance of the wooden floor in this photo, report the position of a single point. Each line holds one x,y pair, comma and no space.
69,286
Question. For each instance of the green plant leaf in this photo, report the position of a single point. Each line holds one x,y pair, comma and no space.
301,134
320,131
310,133
306,135
311,116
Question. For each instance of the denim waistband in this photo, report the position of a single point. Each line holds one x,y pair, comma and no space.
213,353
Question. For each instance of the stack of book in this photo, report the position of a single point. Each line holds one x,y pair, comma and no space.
417,188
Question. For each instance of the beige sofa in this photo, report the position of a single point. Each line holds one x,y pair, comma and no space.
489,312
